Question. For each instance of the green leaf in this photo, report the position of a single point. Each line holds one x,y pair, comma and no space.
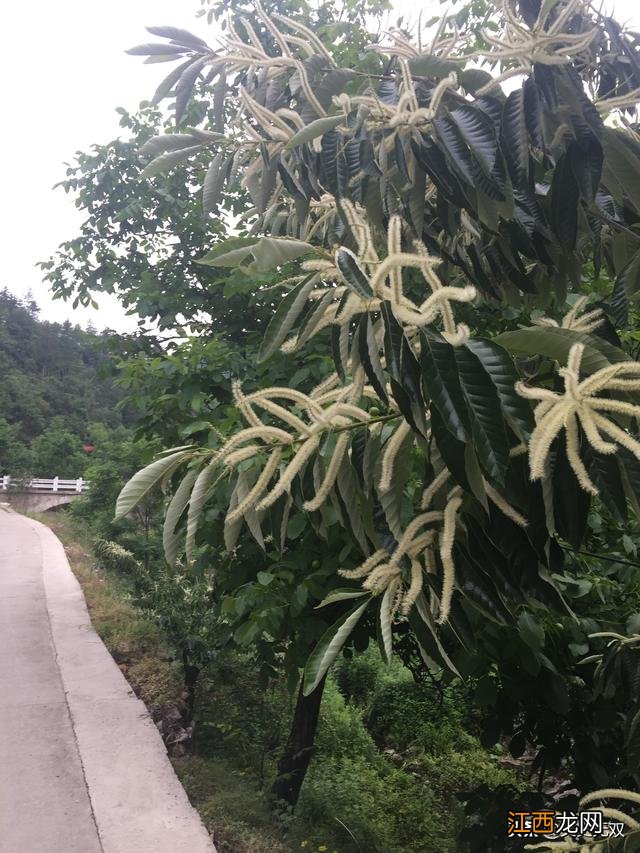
515,138
625,290
570,501
170,541
555,343
145,480
349,496
329,646
477,131
428,637
352,273
265,578
502,372
228,253
483,403
531,631
386,629
199,495
168,142
605,473
440,377
453,145
472,79
341,594
285,316
245,482
167,161
451,449
428,65
370,357
214,183
316,128
620,175
268,252
564,202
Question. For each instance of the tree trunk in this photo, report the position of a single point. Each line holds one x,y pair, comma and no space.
292,767
191,674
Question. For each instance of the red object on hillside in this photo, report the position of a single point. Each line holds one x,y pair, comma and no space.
88,448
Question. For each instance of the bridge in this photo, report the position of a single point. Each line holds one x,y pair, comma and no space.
39,494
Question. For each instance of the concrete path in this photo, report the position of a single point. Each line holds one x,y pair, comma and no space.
82,766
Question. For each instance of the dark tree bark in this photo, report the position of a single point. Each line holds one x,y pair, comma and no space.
292,767
191,674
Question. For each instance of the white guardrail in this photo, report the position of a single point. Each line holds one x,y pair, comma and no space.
44,484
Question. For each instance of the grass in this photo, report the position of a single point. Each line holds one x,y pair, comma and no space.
134,640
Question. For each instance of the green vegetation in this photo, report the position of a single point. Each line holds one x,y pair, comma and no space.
53,395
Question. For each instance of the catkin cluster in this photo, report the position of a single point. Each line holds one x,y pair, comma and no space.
580,405
575,319
301,427
339,301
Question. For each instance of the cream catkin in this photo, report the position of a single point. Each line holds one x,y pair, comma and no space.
243,453
580,405
330,477
256,492
264,432
305,452
446,556
370,563
434,487
504,507
390,453
415,587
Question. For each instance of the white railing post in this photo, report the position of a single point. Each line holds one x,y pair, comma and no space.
79,485
55,484
5,482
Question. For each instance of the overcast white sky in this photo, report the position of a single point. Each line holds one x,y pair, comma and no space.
64,71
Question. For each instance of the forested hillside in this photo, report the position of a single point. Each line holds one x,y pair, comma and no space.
54,396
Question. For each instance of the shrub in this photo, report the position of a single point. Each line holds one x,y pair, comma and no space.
405,715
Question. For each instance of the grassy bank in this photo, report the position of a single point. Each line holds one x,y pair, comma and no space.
367,789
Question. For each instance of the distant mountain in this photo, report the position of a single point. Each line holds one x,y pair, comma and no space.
50,380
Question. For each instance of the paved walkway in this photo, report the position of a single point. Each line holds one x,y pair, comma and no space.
82,766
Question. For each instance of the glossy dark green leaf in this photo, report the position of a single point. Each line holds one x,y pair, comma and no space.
483,403
621,175
605,473
555,343
626,290
570,502
478,132
564,203
185,85
427,635
440,377
451,449
502,371
353,274
453,145
370,357
531,631
515,138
